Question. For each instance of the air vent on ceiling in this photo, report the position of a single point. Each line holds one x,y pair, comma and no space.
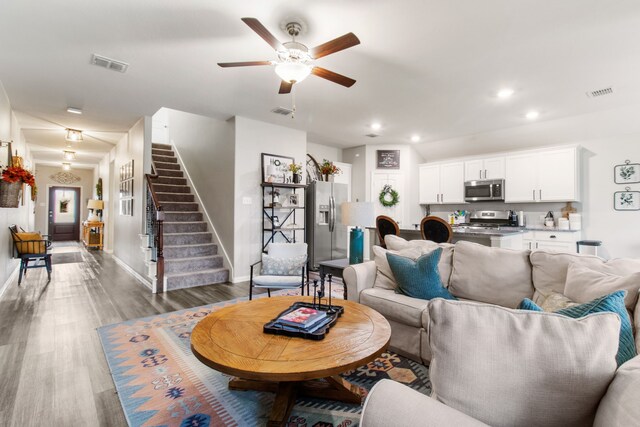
372,135
108,63
600,92
282,111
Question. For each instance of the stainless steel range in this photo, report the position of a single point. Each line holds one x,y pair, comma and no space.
490,220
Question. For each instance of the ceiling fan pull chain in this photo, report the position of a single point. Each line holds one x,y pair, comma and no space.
293,103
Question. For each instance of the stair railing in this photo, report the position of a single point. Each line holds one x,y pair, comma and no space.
155,219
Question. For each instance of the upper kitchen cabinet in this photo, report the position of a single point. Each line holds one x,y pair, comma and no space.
442,183
542,176
489,168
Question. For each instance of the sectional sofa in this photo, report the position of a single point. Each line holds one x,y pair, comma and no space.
470,271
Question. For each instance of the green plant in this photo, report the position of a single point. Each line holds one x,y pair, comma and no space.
99,189
295,168
328,168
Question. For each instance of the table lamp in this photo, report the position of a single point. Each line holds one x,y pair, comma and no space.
358,215
93,206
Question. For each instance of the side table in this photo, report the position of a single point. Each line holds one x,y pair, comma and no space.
93,234
335,268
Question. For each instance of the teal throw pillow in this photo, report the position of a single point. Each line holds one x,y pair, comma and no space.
419,278
613,303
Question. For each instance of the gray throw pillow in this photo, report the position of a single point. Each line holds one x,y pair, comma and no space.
290,266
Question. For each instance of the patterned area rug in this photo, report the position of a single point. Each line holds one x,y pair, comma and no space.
161,383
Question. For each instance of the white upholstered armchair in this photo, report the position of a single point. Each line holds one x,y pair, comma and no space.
282,267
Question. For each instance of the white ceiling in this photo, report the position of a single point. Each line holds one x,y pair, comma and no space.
426,67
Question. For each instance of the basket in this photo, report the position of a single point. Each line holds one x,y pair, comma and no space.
10,194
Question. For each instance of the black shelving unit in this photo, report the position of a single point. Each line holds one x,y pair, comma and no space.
283,212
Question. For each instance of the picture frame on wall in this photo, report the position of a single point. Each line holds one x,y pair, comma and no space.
5,154
626,200
388,159
275,168
627,173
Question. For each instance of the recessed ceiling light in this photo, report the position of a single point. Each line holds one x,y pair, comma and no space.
415,138
376,126
532,115
505,93
66,166
74,110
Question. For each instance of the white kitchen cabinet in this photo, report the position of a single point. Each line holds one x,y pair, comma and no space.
489,168
542,176
555,241
441,183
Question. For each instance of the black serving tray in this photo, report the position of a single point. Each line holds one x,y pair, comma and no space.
273,327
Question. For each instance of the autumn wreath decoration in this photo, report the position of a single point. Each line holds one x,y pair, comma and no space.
15,174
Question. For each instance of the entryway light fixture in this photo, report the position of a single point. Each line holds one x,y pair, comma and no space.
74,135
66,166
69,155
74,110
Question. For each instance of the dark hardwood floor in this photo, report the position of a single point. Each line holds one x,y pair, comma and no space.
52,368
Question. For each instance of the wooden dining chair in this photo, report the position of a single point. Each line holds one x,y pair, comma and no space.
435,229
386,225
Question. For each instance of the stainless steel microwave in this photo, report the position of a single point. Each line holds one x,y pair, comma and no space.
482,190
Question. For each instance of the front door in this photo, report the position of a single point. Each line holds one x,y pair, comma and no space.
64,213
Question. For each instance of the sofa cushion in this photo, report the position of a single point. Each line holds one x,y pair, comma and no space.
384,275
620,406
445,265
555,302
393,306
29,243
520,368
493,275
612,303
550,268
419,278
283,266
584,284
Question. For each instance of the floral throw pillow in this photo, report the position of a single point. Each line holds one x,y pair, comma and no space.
290,266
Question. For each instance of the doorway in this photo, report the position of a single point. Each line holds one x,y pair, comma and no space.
64,213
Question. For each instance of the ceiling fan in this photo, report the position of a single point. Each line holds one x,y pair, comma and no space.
295,60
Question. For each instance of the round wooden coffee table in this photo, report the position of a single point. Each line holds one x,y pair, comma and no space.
231,340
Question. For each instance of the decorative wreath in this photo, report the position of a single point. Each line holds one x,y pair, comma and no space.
388,196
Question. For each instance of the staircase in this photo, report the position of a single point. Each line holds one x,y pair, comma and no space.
190,256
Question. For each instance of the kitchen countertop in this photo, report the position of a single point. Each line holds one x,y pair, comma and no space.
458,232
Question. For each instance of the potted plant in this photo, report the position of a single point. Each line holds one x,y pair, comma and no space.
295,169
327,169
11,184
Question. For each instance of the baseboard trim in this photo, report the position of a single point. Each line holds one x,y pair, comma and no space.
131,271
240,279
12,276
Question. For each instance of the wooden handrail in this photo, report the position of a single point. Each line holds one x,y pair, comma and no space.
158,238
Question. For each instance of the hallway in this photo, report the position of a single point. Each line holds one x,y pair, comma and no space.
52,368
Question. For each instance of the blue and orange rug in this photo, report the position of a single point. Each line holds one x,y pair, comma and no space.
161,383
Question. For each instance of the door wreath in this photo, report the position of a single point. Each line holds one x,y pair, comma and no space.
388,196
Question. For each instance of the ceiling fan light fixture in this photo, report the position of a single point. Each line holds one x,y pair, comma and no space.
69,155
74,135
293,71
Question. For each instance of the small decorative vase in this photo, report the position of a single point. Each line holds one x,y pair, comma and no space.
328,177
10,194
297,178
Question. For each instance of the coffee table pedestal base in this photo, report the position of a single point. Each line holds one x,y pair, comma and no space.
332,388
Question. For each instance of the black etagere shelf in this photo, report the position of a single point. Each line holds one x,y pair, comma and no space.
282,208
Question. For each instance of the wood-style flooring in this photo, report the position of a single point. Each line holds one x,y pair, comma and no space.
52,368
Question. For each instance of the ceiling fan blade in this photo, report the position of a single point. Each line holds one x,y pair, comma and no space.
285,87
331,76
260,29
335,45
243,64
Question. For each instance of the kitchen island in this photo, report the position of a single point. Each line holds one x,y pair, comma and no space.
496,237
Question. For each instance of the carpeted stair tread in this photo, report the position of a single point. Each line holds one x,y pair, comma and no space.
193,250
176,173
180,216
174,197
192,264
165,166
187,238
161,146
185,226
164,159
161,152
199,278
170,188
180,206
170,180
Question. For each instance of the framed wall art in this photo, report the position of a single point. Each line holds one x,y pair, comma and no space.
628,173
388,159
626,200
5,154
275,169
126,189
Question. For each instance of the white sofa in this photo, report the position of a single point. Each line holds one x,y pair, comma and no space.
471,272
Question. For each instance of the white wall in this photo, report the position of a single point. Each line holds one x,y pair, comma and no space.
207,148
321,152
10,130
136,146
252,139
357,156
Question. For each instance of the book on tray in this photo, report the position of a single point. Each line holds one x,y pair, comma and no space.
302,318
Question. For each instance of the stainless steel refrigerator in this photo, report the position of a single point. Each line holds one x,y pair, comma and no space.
327,238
